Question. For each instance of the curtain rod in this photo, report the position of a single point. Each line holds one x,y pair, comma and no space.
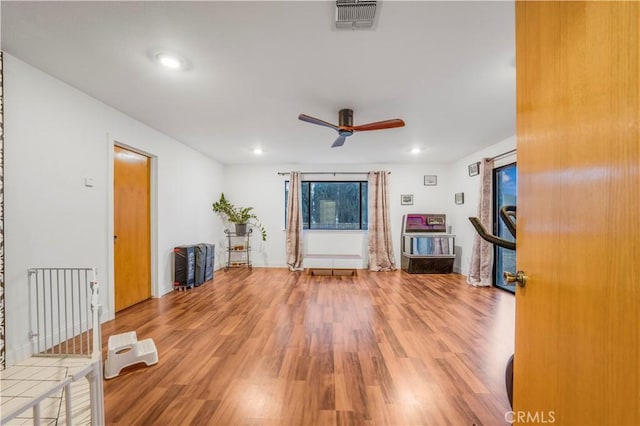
504,154
328,173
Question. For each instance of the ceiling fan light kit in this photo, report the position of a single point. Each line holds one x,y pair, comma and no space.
345,125
345,118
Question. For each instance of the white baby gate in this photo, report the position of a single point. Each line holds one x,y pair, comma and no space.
64,313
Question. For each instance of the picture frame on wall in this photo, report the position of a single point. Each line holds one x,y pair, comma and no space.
406,199
459,197
474,169
430,180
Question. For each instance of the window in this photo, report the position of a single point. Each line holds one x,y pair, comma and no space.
333,204
505,181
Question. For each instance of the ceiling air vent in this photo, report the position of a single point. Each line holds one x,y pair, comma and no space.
355,14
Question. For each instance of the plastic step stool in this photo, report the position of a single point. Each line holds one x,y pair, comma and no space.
125,350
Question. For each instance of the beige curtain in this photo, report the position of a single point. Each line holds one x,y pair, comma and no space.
294,223
380,244
481,267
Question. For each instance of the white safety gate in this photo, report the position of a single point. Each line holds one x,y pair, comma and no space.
64,313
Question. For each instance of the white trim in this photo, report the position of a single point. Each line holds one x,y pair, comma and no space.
109,279
505,160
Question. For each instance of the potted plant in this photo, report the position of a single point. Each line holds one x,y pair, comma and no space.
240,216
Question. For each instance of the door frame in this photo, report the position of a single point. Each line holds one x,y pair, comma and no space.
109,313
496,224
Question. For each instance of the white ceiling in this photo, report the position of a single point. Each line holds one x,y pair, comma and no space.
446,68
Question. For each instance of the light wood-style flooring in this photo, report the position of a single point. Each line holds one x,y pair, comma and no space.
272,347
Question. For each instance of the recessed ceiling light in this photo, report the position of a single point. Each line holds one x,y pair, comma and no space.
257,151
169,61
415,151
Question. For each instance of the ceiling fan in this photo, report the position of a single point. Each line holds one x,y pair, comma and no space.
346,128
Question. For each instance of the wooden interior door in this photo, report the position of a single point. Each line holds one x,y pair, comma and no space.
577,350
132,239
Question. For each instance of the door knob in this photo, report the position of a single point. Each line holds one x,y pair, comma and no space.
519,277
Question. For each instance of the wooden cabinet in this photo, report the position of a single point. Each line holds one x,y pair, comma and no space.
428,253
426,248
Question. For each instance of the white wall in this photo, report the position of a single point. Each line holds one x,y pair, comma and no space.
55,136
460,181
262,188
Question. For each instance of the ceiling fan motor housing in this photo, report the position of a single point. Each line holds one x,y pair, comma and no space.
345,118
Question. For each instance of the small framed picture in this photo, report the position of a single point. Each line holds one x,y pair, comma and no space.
430,180
474,169
459,197
406,199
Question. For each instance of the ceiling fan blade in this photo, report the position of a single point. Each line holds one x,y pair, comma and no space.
379,125
339,142
314,120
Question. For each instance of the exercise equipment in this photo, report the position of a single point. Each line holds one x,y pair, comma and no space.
508,216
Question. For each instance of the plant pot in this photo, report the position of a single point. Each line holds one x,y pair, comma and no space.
241,229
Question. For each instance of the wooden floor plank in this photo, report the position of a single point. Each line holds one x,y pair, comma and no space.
273,347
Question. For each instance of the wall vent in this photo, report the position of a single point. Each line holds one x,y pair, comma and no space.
355,14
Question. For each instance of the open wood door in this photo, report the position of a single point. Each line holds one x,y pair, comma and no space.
577,346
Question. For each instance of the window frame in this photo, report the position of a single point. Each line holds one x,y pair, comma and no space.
306,221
